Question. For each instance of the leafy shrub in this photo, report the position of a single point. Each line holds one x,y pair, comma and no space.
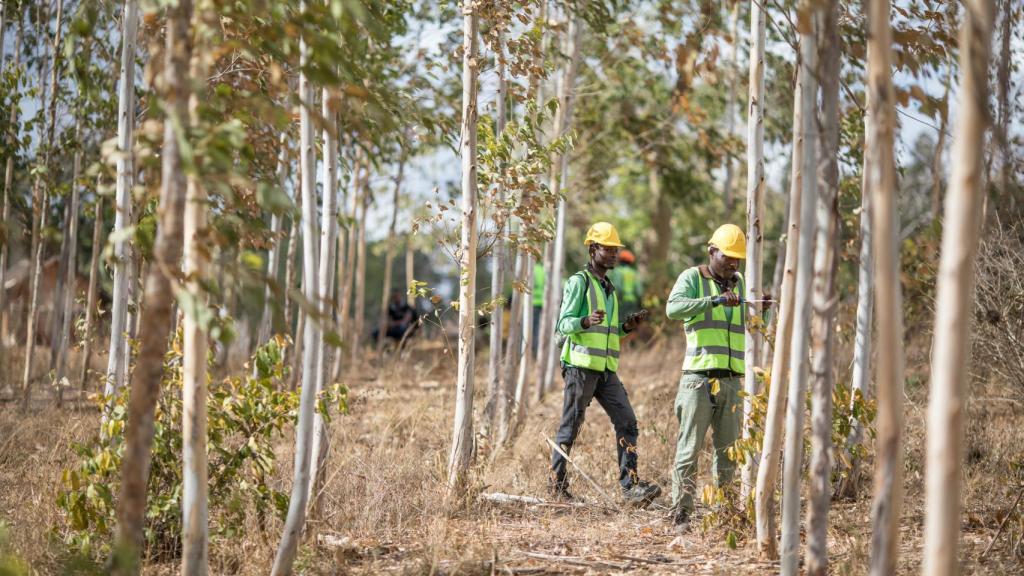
246,416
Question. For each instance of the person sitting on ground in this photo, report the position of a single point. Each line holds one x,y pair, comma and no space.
589,319
401,318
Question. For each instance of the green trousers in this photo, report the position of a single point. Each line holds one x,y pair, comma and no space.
697,408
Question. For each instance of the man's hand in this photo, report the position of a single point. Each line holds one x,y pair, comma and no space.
635,319
594,319
730,298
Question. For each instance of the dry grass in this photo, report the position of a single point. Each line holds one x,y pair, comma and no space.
383,499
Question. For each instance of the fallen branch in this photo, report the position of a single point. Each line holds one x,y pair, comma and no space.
1002,524
586,477
501,498
577,561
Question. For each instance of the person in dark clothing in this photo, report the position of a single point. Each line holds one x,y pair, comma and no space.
401,318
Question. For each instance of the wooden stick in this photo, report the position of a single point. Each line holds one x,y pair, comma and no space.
586,477
1002,524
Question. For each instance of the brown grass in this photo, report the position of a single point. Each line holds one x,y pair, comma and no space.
383,498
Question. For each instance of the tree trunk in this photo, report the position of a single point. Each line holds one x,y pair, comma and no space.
462,436
71,272
296,519
1005,111
159,297
498,402
768,472
755,214
888,453
273,254
5,389
794,442
732,75
824,299
347,287
389,259
194,498
289,268
937,166
948,400
359,310
41,194
328,243
410,270
860,385
525,366
508,414
90,299
553,281
116,373
545,311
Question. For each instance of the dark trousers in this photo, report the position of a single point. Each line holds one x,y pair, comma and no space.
581,386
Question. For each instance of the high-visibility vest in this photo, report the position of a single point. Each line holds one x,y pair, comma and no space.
713,341
538,285
596,347
627,280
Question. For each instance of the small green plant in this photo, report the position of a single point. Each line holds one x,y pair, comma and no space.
246,416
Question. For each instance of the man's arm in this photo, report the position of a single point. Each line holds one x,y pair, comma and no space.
570,317
683,302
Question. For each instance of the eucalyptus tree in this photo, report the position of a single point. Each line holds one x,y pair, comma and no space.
158,295
948,395
40,204
798,368
888,301
11,78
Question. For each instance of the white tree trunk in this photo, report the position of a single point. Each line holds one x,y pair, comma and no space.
947,398
296,519
5,211
194,499
359,306
70,273
273,254
497,400
159,298
824,300
768,472
41,194
90,299
328,243
546,307
860,385
553,281
116,361
389,259
888,302
794,442
755,231
462,436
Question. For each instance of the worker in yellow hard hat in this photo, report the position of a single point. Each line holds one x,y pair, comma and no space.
708,299
589,322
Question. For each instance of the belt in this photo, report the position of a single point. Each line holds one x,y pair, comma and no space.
716,373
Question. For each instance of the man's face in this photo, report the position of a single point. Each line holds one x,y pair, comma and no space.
606,256
723,266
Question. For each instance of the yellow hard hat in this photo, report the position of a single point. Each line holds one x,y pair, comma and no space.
730,240
603,233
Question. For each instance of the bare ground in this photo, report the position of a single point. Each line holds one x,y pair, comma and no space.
383,504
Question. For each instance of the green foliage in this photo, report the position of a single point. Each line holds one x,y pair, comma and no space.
10,563
246,417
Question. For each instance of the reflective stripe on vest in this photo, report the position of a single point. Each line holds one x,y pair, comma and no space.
713,341
596,347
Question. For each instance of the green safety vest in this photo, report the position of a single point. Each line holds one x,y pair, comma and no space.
538,284
713,341
627,280
597,347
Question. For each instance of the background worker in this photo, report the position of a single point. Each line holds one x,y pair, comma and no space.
589,319
707,298
627,283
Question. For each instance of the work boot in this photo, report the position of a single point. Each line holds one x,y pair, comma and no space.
560,492
641,493
681,521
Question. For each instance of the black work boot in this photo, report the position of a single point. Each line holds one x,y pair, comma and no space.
560,491
641,493
681,521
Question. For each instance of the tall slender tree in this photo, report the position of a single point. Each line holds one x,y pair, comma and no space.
274,253
297,506
158,296
755,212
40,207
116,358
888,302
948,396
389,255
5,211
768,473
462,436
70,268
794,442
732,75
826,259
91,295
